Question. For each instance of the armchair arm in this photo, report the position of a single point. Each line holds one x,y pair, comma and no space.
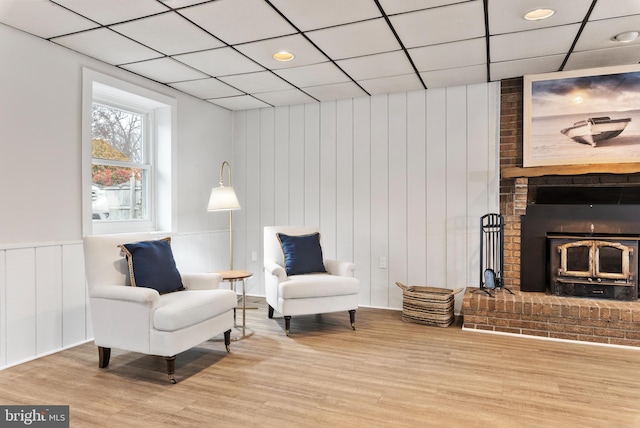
121,292
201,281
276,270
340,268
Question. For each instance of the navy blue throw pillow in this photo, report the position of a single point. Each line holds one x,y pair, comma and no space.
302,253
151,265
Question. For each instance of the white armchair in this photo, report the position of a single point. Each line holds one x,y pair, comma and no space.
139,319
302,294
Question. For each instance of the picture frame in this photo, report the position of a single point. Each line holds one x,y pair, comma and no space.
582,117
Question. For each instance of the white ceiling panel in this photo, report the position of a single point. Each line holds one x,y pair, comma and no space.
219,62
312,15
206,88
175,4
623,55
450,55
380,65
242,102
392,84
164,70
399,6
506,16
111,11
262,52
239,21
520,67
168,33
108,46
313,75
598,34
529,44
455,76
440,25
43,19
362,38
614,8
337,91
263,81
286,97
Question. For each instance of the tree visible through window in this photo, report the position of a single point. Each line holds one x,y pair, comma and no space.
120,164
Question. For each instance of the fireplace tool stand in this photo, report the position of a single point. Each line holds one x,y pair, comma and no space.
491,254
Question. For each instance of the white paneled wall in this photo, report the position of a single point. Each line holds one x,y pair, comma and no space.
402,178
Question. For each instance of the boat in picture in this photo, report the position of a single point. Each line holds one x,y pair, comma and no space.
595,129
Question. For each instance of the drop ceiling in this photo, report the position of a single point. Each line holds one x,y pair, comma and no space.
221,50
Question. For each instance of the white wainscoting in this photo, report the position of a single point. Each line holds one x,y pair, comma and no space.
43,295
403,176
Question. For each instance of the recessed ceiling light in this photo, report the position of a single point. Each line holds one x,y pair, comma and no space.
283,56
626,37
538,14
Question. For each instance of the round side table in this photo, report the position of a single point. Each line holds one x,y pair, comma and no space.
233,277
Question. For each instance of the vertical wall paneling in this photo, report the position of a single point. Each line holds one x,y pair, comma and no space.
344,182
241,249
328,172
74,295
3,310
362,195
493,173
49,293
456,226
398,236
436,205
379,200
312,165
21,305
267,173
253,189
282,165
416,189
296,165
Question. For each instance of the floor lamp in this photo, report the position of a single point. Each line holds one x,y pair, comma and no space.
224,199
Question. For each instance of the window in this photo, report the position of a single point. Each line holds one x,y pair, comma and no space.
127,156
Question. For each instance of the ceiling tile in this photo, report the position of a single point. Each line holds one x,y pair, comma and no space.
111,11
181,3
239,21
311,15
313,75
168,33
449,55
206,88
440,25
262,52
392,84
263,81
507,16
527,44
336,91
362,38
288,97
455,76
164,70
623,55
43,19
399,6
242,102
379,65
598,34
614,8
105,45
520,67
219,62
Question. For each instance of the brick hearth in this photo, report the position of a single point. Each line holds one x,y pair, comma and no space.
538,314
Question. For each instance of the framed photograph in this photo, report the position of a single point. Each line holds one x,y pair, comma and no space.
582,117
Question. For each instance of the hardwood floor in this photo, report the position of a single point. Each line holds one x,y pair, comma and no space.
386,373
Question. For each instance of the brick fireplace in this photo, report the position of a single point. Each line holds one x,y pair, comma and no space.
539,313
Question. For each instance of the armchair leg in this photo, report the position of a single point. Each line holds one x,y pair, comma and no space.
287,324
352,317
227,340
270,311
104,355
171,368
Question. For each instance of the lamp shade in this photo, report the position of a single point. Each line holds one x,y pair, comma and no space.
223,199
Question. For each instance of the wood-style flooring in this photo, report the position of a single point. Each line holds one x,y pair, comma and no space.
387,373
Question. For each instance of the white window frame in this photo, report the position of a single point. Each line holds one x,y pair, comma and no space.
162,110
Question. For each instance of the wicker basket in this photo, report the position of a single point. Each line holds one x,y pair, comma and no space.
428,305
